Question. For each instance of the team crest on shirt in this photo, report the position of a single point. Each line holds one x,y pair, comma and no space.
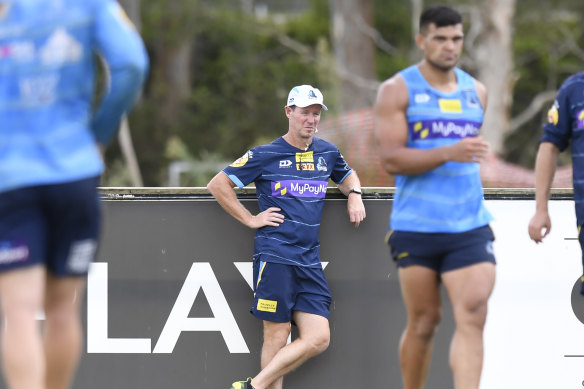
580,120
471,99
553,115
239,162
321,165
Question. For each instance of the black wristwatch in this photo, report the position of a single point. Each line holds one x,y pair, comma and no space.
356,190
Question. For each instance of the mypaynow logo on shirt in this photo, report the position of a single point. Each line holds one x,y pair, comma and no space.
299,188
433,129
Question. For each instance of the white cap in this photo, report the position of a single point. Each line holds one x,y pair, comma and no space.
304,96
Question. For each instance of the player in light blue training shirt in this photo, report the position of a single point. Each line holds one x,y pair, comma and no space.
427,123
51,136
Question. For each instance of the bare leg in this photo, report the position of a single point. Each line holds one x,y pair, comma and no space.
63,331
21,294
275,338
313,338
469,289
421,294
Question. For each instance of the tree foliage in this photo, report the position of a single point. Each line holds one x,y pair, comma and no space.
220,75
546,43
241,74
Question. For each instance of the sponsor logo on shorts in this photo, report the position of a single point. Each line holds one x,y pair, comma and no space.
299,188
267,305
489,248
435,129
81,255
402,255
11,253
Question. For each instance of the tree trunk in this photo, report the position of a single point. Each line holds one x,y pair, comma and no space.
495,69
417,8
132,8
354,52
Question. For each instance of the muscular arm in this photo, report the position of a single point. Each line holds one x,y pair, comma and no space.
545,168
391,133
355,207
221,187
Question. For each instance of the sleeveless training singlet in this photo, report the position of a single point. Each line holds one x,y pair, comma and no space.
448,198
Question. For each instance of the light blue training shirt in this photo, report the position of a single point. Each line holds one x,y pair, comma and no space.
49,124
448,198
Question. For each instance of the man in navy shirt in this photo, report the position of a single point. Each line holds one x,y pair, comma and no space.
565,124
291,176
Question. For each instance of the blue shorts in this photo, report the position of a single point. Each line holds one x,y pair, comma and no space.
54,225
281,289
442,251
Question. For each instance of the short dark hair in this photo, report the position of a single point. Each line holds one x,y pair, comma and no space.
439,15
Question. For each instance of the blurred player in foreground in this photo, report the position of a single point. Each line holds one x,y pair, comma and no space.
50,163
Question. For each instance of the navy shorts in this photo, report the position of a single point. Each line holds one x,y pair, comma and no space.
442,251
55,225
281,289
